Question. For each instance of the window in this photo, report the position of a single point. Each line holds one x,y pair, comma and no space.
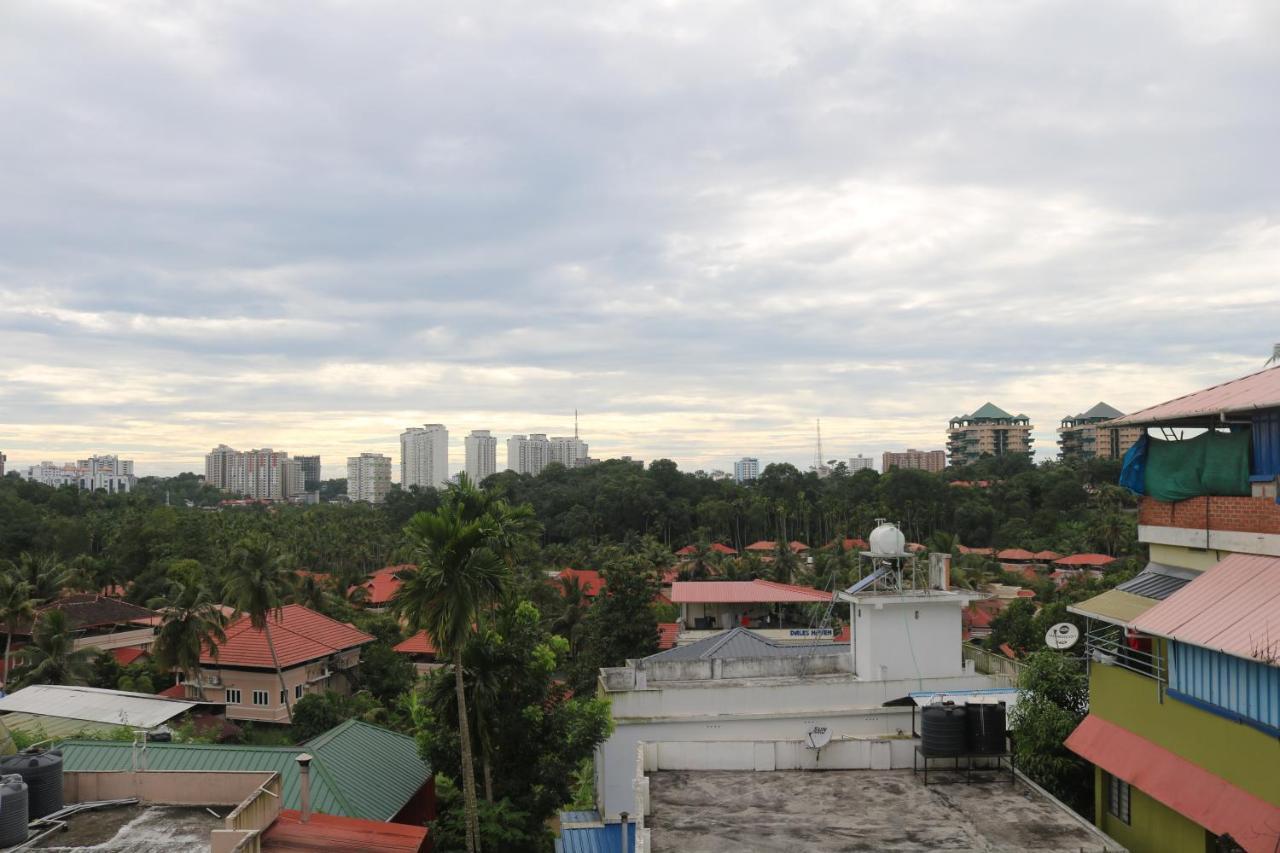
233,696
1118,798
260,697
282,693
297,692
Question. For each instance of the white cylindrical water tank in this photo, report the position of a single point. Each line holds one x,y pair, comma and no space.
887,540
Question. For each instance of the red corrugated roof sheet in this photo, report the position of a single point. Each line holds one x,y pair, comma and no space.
299,634
329,832
1086,560
418,644
1259,390
1015,554
1187,788
667,634
743,592
126,656
1233,608
588,579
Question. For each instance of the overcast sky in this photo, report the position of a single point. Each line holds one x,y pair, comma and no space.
308,225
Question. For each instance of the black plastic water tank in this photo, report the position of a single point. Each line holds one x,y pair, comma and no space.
13,810
42,771
984,728
942,729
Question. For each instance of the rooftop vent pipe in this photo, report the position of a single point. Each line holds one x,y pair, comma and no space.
304,779
624,847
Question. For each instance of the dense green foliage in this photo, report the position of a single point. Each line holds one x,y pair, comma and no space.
1055,699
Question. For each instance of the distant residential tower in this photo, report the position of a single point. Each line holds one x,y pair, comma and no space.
917,460
424,456
990,431
746,469
482,455
1087,436
368,477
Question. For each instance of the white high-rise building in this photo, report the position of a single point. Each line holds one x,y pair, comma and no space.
107,473
424,456
220,468
482,455
570,451
745,469
368,477
860,463
528,455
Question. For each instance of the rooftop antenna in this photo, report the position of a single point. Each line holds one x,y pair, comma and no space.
1275,355
818,461
575,424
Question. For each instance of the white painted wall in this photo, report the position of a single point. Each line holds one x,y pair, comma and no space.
742,713
906,637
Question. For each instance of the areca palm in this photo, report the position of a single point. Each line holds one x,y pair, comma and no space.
458,575
256,583
51,657
16,607
192,621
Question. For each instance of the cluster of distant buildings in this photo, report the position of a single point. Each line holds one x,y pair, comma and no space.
991,431
424,454
107,473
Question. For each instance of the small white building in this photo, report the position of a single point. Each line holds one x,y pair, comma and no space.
742,701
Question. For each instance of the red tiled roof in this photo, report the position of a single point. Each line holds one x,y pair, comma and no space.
418,644
1183,786
854,544
743,592
988,552
797,546
383,584
716,548
299,634
1086,560
1233,608
667,634
762,545
177,691
589,579
1007,650
1028,572
1026,593
128,655
1015,554
1048,555
323,832
91,610
916,547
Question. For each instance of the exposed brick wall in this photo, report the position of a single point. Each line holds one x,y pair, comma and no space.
1249,515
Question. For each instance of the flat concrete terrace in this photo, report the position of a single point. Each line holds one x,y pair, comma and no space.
855,810
137,829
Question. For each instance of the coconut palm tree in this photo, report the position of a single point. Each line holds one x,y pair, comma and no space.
256,584
16,608
47,576
51,657
191,622
458,575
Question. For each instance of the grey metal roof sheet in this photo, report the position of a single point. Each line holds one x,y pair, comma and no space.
1157,581
95,705
743,643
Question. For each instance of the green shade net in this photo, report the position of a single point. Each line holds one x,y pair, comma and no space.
1215,463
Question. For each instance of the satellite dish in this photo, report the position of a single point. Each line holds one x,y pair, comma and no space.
818,737
1064,635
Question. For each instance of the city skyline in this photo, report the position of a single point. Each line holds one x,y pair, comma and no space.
795,218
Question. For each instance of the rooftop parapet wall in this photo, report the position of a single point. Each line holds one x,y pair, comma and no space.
638,675
1242,514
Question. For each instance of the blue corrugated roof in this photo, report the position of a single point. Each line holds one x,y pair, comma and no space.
597,839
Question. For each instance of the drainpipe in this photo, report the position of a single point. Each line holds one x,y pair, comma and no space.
623,846
304,779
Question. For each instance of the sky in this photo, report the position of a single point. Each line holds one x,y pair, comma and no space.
309,225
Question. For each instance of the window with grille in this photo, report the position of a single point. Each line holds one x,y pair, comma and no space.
297,691
233,696
1118,798
260,697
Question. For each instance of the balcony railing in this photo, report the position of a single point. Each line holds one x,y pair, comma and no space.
1109,645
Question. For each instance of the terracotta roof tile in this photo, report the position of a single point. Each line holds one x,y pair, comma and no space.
1086,560
383,584
667,634
128,655
589,579
418,644
299,634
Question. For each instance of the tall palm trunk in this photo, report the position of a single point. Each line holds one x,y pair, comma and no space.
8,643
288,706
488,776
468,766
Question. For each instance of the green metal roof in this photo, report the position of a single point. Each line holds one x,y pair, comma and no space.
359,770
991,410
1102,410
